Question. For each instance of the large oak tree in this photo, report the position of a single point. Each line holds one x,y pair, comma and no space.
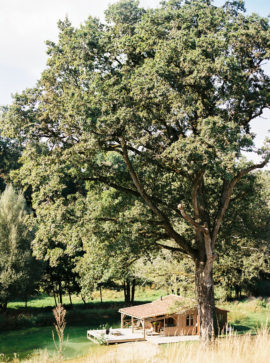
156,104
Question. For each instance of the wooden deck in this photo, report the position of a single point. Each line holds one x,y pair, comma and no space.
174,339
115,336
126,335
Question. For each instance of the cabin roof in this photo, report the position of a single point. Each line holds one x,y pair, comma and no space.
166,305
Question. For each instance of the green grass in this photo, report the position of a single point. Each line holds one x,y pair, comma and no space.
248,314
44,301
32,328
25,342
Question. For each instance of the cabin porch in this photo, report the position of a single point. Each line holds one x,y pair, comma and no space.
184,324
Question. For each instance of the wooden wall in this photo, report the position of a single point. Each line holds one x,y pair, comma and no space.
181,328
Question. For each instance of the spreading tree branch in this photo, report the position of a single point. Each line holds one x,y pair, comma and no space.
113,185
189,219
170,248
148,200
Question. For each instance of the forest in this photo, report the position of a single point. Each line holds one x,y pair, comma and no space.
127,165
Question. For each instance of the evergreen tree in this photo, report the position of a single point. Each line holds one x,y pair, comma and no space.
18,269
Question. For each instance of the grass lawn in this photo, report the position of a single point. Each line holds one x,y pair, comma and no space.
25,342
249,314
142,294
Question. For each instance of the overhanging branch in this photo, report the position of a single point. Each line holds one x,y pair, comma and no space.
189,219
170,248
114,185
149,201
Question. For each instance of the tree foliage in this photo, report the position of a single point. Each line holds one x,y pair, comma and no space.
10,152
168,272
19,271
244,254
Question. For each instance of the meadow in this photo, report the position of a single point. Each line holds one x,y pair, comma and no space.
26,334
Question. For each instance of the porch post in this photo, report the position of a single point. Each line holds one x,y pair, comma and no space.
164,326
122,320
132,324
143,328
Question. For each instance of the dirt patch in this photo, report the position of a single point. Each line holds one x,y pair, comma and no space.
139,352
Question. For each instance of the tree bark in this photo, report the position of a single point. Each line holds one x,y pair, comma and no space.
60,293
127,291
55,302
100,293
206,303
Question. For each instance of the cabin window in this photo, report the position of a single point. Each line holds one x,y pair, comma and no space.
189,320
170,322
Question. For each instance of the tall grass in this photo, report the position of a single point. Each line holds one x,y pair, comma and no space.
249,314
232,349
140,352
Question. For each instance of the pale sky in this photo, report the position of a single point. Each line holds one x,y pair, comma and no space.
25,25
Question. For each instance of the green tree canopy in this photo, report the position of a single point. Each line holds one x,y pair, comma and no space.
244,247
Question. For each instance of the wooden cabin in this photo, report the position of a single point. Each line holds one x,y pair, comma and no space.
171,315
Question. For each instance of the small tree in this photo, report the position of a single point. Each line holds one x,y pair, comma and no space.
17,265
59,313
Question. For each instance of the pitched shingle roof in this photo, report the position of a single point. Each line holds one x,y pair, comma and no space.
164,306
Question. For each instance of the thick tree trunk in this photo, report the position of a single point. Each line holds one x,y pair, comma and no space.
206,302
237,290
127,291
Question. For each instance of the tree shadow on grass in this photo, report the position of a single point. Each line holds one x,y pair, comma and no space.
241,329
